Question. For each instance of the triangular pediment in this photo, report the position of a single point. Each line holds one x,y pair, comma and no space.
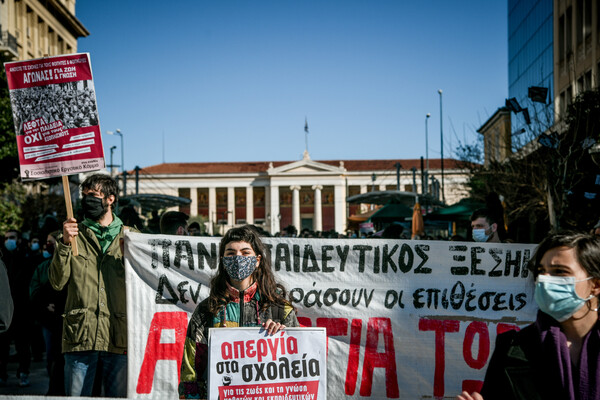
306,167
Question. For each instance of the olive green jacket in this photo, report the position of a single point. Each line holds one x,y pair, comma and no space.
96,311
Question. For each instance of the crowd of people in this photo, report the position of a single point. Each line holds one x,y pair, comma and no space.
74,306
66,102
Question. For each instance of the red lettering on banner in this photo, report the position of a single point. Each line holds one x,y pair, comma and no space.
353,355
373,359
471,386
502,327
305,322
162,351
440,327
476,328
334,327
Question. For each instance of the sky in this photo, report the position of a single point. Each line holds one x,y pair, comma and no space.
224,80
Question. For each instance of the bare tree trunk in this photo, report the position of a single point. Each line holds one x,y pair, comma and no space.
551,211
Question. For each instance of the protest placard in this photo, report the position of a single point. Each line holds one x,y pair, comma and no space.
404,319
247,363
56,117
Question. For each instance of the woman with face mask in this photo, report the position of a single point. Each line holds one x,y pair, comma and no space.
242,293
558,356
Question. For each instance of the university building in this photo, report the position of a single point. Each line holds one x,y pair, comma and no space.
305,193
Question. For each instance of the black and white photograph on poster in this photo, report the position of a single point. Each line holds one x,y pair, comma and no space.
73,103
248,363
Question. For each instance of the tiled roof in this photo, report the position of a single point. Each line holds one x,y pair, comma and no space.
262,166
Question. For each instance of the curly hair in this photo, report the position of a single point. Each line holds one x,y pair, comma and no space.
270,291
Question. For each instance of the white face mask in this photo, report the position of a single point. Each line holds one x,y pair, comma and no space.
480,236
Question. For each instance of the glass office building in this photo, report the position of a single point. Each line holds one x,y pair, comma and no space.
530,61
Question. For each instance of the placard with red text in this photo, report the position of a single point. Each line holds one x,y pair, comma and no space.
404,318
56,116
247,363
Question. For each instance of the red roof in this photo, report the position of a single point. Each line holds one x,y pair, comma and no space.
263,166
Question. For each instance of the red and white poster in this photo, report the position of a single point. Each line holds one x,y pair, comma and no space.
56,117
247,363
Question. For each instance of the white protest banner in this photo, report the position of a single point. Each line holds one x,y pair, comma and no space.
404,319
55,114
249,364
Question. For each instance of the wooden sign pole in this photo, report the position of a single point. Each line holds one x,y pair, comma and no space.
67,191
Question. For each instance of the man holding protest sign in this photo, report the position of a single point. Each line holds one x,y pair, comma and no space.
95,322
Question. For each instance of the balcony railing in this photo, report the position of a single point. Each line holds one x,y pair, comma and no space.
8,44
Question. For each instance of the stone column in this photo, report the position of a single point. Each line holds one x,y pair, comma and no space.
274,209
318,216
212,209
249,205
296,207
230,206
194,203
382,187
363,207
339,204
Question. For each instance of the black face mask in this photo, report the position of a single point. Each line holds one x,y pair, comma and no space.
93,207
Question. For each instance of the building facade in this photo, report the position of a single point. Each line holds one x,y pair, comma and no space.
530,60
34,29
576,50
305,193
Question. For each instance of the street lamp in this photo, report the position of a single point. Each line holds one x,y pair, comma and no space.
442,144
118,133
427,140
112,166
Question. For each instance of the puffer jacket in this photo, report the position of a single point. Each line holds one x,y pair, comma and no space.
95,315
244,310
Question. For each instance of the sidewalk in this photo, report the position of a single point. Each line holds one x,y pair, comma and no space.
38,377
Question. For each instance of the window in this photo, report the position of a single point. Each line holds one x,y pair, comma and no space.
561,38
569,30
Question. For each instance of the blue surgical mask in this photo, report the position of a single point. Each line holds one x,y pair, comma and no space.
556,296
46,254
35,246
239,267
480,236
10,244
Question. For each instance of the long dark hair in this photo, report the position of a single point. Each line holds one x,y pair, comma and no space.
270,291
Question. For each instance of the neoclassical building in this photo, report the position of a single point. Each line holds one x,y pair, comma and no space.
305,193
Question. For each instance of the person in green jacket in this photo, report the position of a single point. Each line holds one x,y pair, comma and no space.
95,318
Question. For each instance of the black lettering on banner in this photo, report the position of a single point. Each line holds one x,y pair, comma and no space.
476,260
421,250
211,258
195,295
376,260
510,262
282,255
494,253
309,254
181,289
326,257
180,245
343,255
386,259
524,269
163,283
165,243
461,258
296,253
406,258
362,249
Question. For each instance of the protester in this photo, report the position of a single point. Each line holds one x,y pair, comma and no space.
558,356
194,229
14,256
48,307
95,323
244,285
596,229
6,302
174,223
485,227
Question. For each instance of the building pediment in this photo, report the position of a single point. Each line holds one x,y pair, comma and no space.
306,166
